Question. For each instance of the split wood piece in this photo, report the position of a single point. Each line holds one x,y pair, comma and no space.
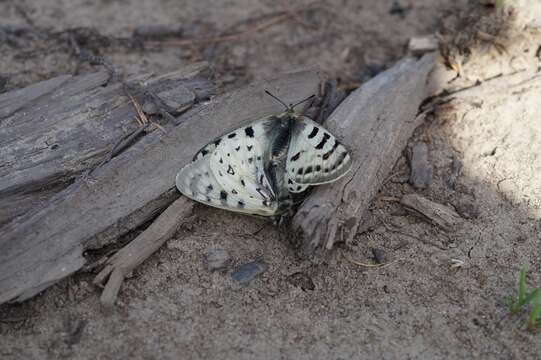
149,241
421,168
46,245
52,131
432,212
375,122
423,44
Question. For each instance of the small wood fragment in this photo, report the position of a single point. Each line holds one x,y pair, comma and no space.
432,212
421,168
422,44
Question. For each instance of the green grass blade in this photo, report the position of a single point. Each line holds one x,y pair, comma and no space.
533,297
522,287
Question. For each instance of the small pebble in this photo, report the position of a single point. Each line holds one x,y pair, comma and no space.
421,168
244,274
379,255
217,258
468,210
300,279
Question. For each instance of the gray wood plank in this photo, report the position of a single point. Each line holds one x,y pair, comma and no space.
46,245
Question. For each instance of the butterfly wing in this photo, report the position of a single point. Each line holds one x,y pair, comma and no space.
315,156
228,173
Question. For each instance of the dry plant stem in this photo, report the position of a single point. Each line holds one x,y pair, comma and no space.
129,257
278,18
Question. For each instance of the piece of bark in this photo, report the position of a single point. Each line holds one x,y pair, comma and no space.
46,245
432,212
421,168
420,45
375,123
129,257
68,125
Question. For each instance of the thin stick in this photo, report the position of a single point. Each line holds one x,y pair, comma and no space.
142,247
224,38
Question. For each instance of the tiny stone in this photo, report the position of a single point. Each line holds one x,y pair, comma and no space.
379,255
468,210
300,279
244,274
421,169
217,259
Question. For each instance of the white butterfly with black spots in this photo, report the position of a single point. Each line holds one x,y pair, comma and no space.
256,169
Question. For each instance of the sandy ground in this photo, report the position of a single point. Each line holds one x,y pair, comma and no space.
174,307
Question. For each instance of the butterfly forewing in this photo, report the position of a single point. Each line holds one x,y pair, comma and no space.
228,173
315,156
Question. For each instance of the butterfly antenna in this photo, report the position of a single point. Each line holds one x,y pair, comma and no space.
276,98
300,102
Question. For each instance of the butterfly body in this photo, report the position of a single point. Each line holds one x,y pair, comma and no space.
258,168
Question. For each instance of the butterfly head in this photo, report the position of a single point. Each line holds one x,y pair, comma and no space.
290,109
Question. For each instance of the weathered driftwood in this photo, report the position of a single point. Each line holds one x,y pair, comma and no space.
129,257
375,122
46,245
437,214
52,131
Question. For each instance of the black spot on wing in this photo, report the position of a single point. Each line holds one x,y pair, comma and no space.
230,170
232,135
329,153
249,131
318,168
242,182
314,132
250,160
342,157
299,172
240,204
221,161
209,188
223,195
289,181
323,141
259,158
237,148
249,147
234,192
217,141
308,170
296,156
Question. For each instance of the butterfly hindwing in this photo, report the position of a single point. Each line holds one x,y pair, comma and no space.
315,156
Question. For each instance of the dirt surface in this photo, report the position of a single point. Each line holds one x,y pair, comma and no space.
174,307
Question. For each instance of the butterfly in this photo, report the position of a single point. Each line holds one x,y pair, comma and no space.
256,169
